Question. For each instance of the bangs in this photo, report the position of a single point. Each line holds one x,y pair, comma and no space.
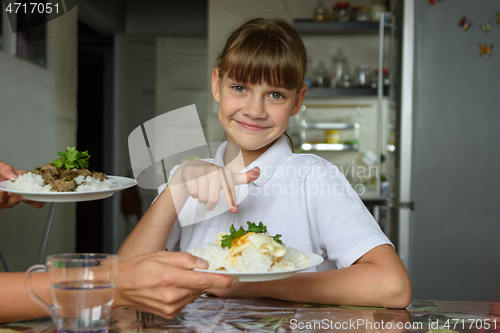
262,55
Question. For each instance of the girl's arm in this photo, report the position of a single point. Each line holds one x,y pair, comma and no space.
200,180
152,231
378,278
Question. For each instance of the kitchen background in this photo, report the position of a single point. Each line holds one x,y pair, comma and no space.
112,65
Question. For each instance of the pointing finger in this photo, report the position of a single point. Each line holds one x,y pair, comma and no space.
247,177
229,191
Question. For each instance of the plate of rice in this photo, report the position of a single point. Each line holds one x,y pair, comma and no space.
32,187
253,255
66,179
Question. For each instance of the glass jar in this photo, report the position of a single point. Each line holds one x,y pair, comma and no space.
332,136
341,11
321,76
377,7
385,78
338,65
362,14
345,80
320,12
362,76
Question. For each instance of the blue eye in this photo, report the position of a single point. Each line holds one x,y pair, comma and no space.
239,88
276,95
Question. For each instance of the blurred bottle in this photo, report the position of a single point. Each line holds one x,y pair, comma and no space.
378,7
385,78
361,13
362,76
321,76
346,79
320,12
339,67
341,11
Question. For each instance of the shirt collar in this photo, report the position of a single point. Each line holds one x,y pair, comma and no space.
267,162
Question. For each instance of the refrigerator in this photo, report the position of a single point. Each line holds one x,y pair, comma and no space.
445,180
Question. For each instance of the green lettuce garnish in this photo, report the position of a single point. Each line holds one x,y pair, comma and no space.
252,227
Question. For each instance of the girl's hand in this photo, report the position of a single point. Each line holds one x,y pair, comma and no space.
203,181
164,282
240,290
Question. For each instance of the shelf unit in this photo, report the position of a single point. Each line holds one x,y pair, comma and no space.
319,92
328,147
310,27
306,125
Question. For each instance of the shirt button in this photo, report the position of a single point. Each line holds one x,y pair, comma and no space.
227,222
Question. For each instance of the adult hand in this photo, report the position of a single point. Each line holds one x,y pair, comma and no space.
7,199
204,181
164,282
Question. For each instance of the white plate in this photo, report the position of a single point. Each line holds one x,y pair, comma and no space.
314,260
73,196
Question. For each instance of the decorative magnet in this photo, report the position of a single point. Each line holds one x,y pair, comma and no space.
485,49
431,2
486,27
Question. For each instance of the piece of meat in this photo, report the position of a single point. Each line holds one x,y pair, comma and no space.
60,185
48,177
50,168
73,173
99,175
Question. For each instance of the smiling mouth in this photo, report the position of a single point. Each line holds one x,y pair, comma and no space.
250,126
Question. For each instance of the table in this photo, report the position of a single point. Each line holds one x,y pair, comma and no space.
210,314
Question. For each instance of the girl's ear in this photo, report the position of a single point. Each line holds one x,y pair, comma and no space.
216,85
298,102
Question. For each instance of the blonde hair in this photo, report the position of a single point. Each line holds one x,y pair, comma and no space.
265,49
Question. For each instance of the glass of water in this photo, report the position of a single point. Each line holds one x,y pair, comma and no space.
82,286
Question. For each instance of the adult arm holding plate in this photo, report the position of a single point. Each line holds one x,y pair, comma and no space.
9,200
162,283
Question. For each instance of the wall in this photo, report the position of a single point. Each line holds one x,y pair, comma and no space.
174,18
37,119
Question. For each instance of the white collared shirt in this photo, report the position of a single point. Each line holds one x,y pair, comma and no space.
302,197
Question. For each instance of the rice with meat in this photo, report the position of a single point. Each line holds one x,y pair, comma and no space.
31,182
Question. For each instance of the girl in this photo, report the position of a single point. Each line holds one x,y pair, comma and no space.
258,84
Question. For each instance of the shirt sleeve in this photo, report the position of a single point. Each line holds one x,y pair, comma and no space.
339,220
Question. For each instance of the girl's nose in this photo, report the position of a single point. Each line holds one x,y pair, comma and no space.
255,108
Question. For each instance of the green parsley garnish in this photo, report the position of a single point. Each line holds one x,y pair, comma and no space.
252,227
72,158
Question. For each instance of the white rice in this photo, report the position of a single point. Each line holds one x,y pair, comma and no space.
89,183
250,259
31,182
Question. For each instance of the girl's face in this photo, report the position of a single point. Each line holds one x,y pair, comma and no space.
254,115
